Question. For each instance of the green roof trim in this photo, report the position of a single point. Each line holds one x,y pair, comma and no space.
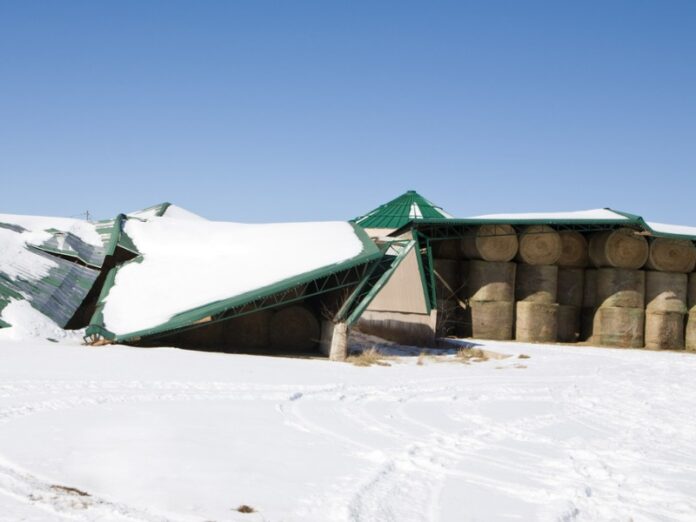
401,210
370,252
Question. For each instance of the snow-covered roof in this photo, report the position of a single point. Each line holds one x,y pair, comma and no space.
581,215
399,211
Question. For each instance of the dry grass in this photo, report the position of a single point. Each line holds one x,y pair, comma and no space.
368,358
523,356
246,509
467,355
69,490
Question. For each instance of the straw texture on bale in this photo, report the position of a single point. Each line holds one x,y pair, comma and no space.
691,293
539,245
574,250
571,286
620,248
587,323
536,283
690,338
666,292
447,277
536,322
664,330
294,328
619,327
491,320
490,243
568,323
491,281
447,249
589,289
251,331
619,287
671,255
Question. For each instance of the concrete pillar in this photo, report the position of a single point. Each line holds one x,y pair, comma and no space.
334,340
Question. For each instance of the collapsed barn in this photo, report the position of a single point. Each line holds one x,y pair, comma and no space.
407,271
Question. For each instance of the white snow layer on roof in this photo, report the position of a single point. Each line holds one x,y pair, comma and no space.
172,211
84,230
599,213
187,264
665,228
17,261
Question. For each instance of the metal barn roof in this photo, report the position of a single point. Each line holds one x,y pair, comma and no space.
397,212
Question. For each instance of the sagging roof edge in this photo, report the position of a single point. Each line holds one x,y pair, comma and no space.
625,219
186,318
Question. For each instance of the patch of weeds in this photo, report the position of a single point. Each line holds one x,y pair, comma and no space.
368,358
520,366
69,491
246,509
467,355
524,356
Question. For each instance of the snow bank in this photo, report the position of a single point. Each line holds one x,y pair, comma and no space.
187,264
27,323
580,215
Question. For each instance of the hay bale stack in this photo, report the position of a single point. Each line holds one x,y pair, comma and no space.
204,335
664,330
536,322
568,323
491,281
536,283
666,292
248,332
671,255
539,245
691,292
620,317
574,250
490,243
492,319
619,327
447,278
446,249
571,286
690,336
620,248
294,328
589,304
620,288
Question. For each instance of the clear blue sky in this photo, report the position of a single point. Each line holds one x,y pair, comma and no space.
290,110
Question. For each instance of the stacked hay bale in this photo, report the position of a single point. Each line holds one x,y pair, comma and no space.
536,288
447,286
589,304
571,285
491,280
294,328
690,338
620,292
669,262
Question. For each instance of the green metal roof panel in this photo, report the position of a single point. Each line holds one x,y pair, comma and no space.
397,212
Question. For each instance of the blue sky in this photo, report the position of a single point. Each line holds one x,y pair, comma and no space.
273,111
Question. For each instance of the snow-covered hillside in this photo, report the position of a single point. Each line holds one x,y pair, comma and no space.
569,433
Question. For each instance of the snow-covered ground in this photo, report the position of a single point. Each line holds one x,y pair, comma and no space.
570,433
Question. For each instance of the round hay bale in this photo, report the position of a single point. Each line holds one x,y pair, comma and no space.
587,322
490,243
491,281
690,338
446,273
446,249
620,248
491,320
536,322
294,328
207,335
539,245
571,286
620,287
664,330
248,332
574,250
536,283
589,289
671,255
666,292
448,317
619,327
691,292
568,324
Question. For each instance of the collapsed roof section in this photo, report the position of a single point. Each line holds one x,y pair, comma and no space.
401,210
190,272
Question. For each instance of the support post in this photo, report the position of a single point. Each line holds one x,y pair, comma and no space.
334,340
